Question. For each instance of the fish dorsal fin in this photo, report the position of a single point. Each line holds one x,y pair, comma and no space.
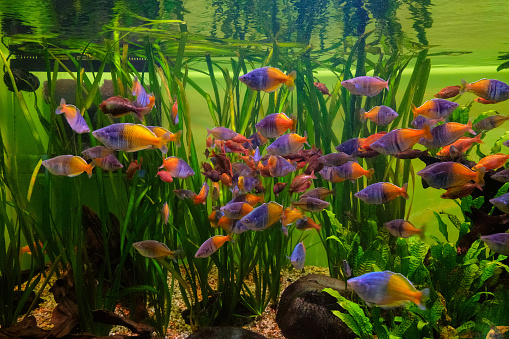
377,77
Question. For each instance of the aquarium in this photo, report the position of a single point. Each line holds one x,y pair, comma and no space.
176,168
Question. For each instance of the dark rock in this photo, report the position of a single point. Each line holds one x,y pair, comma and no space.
305,311
225,333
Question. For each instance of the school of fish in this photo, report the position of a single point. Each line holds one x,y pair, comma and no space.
237,163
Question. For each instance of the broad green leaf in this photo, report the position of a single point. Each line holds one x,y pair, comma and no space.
442,226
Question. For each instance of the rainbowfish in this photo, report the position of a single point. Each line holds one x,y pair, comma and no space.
399,140
73,117
348,171
211,245
134,167
274,125
201,198
298,256
458,192
142,98
175,113
301,183
279,166
488,89
306,223
165,212
279,187
381,192
257,140
287,144
498,242
236,210
380,115
502,176
449,174
446,134
69,165
387,290
291,215
107,163
118,107
249,198
268,79
310,204
365,143
154,249
365,85
221,133
491,122
462,145
263,216
435,108
322,88
420,121
96,152
484,101
501,202
130,138
492,162
160,131
403,229
214,217
335,159
448,92
177,167
319,193
165,176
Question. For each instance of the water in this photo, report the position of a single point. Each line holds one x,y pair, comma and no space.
465,40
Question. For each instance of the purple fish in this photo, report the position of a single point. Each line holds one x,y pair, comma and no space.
381,192
298,256
365,85
280,167
449,174
287,144
263,216
311,204
446,134
435,108
501,202
268,79
498,242
221,133
350,146
73,116
420,121
380,115
502,176
96,152
335,159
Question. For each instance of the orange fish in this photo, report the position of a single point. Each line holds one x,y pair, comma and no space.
462,145
400,140
263,216
26,249
214,217
348,171
274,125
435,109
239,138
215,191
364,143
211,245
249,198
69,165
447,133
155,250
380,115
306,223
301,183
291,215
96,152
159,132
268,79
458,192
165,176
236,210
492,162
134,166
448,92
448,174
107,163
381,192
225,223
177,167
489,89
403,229
201,198
130,138
165,212
226,180
73,116
484,101
175,113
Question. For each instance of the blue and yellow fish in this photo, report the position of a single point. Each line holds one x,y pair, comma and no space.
268,79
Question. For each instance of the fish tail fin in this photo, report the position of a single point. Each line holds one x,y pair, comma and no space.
370,173
306,138
480,176
470,130
164,139
176,138
177,254
294,123
290,80
478,139
387,83
209,132
89,169
362,115
414,110
427,132
404,192
464,86
422,230
424,294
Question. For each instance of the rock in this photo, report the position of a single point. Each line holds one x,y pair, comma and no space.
304,310
228,332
